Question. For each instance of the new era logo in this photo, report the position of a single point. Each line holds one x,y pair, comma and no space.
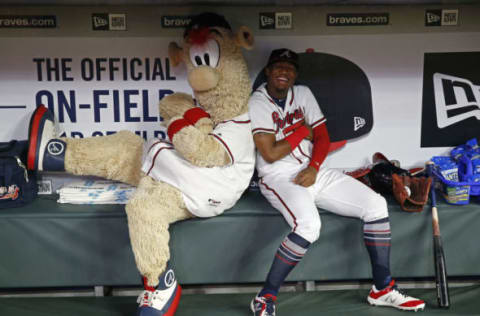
100,21
441,17
451,98
275,20
432,18
109,22
358,123
456,99
267,20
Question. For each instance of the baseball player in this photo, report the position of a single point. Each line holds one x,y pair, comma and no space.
292,141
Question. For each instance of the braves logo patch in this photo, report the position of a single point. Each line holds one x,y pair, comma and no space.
9,193
55,148
169,278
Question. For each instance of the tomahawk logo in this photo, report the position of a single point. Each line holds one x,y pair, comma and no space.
456,99
285,54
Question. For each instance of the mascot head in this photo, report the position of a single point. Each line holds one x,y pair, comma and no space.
217,71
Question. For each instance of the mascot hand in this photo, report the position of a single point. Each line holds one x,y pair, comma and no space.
175,105
199,118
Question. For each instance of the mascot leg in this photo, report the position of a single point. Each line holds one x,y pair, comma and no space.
150,211
115,157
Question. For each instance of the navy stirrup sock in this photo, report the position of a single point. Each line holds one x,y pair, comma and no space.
290,252
377,239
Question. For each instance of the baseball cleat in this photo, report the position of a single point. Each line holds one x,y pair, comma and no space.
263,305
162,300
45,151
391,296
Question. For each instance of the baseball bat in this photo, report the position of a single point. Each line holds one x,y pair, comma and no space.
441,281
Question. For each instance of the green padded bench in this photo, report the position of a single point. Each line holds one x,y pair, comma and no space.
47,244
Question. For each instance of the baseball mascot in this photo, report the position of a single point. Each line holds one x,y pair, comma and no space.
201,170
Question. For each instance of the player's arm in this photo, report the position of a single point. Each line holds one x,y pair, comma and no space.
273,150
321,143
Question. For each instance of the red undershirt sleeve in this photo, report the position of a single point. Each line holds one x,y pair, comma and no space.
321,143
297,136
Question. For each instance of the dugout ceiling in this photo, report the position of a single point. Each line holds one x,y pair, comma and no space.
400,55
236,2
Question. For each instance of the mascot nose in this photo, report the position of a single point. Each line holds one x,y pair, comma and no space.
203,78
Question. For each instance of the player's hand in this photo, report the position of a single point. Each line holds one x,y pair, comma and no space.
306,177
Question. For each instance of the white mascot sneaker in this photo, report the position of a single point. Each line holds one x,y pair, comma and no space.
391,296
45,151
162,300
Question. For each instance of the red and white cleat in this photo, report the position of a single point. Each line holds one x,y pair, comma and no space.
263,305
162,300
391,296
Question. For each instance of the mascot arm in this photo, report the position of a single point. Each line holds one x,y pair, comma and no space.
199,148
182,104
175,105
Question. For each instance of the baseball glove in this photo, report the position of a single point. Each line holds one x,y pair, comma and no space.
411,192
381,177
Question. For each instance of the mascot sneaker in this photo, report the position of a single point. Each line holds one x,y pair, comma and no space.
391,296
263,305
162,300
45,152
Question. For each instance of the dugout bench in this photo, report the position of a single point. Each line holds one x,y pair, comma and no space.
46,244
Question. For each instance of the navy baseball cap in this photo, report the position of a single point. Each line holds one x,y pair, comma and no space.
283,54
207,19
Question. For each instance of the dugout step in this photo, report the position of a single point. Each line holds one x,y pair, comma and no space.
63,245
339,302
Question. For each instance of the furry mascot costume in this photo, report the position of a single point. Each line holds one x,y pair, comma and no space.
201,171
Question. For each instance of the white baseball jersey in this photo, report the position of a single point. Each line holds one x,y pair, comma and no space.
268,117
332,190
207,191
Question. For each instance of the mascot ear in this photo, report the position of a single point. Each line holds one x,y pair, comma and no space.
244,38
175,53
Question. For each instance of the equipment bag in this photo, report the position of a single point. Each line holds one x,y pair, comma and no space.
18,186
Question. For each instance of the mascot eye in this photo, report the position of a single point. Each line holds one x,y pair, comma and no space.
206,54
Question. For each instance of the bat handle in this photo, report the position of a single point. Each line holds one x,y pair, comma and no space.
433,198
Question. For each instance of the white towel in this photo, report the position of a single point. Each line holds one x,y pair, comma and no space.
95,192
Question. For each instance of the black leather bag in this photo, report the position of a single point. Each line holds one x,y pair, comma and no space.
18,186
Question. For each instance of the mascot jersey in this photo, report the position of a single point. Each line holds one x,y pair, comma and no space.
207,191
268,117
